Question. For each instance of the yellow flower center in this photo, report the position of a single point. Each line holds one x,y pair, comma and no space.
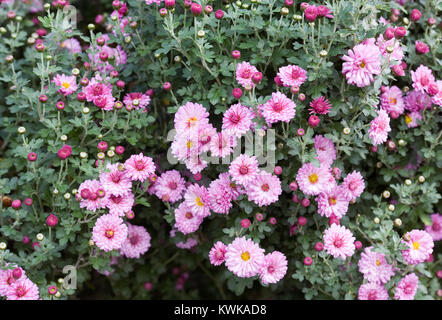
313,178
393,101
189,144
65,85
332,201
199,202
378,263
109,233
416,245
408,119
191,121
245,255
362,65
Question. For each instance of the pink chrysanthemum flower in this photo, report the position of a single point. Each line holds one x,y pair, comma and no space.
185,145
94,200
244,258
185,220
406,288
139,167
244,73
137,242
274,267
278,108
66,83
339,241
391,100
292,76
119,55
353,185
422,78
244,169
96,89
417,101
217,253
195,164
313,180
234,189
7,279
320,105
361,63
72,45
334,203
379,128
105,102
374,266
190,116
220,196
120,205
372,291
23,289
170,186
435,229
109,232
222,144
205,135
420,246
136,100
397,53
116,181
437,98
196,198
237,120
264,189
412,119
325,150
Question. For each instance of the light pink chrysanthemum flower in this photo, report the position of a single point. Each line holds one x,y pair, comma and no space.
374,266
237,120
96,89
109,232
196,198
137,242
278,108
22,289
420,246
139,167
195,164
7,278
334,202
220,196
406,288
119,55
412,119
72,45
274,267
217,253
437,98
67,84
417,101
205,135
313,180
244,73
222,144
325,150
339,241
422,78
264,189
435,229
391,100
372,291
244,169
190,116
379,128
354,185
361,64
136,100
94,200
292,76
105,102
170,186
397,53
244,257
120,205
116,181
185,220
320,105
189,244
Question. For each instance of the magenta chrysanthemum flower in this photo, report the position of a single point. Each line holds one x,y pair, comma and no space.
435,229
244,258
372,291
391,100
185,220
437,98
72,45
139,167
313,180
397,53
274,267
105,102
190,116
406,288
120,205
374,267
109,232
339,241
237,120
334,203
412,119
22,289
116,181
379,128
222,144
170,186
320,105
196,198
66,83
361,64
422,78
137,242
278,108
292,76
136,100
7,279
91,199
353,185
244,169
220,196
417,101
420,246
96,89
217,253
325,150
244,73
264,189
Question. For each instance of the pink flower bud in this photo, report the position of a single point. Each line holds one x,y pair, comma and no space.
433,89
311,12
394,114
169,3
319,246
237,93
245,223
196,9
308,261
358,245
43,98
51,220
313,121
295,198
25,240
119,149
400,32
16,204
208,9
421,47
257,77
300,132
259,216
305,202
148,286
415,15
397,69
28,202
431,21
302,221
277,170
288,3
17,273
272,220
389,33
32,156
301,97
293,186
167,86
197,176
236,54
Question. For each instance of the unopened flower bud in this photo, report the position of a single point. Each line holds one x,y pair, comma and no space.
386,194
421,179
40,237
391,207
408,182
397,222
376,220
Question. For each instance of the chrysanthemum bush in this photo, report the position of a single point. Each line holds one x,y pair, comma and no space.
124,155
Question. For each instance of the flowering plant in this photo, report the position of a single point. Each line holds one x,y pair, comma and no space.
179,149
